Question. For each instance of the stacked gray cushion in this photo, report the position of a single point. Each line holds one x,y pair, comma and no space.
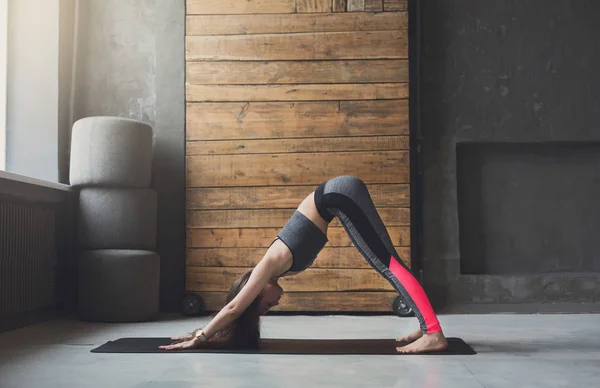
118,285
117,218
111,151
111,163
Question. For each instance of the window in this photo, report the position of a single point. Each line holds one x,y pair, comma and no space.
3,77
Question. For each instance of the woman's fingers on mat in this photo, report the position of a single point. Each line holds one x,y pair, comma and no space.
181,345
169,347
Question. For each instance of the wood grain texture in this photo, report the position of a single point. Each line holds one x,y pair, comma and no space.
295,169
395,5
309,46
283,197
348,257
273,218
356,5
313,6
268,120
297,72
318,301
339,6
213,279
294,23
280,146
296,92
373,5
281,96
219,7
263,237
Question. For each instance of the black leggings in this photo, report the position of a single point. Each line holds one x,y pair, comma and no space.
347,198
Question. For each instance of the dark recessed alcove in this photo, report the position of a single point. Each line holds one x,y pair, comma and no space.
529,208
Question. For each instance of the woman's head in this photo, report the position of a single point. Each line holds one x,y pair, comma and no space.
270,296
244,332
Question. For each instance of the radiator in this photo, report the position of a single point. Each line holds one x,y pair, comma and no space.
28,257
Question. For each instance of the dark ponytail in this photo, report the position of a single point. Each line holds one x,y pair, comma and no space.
244,332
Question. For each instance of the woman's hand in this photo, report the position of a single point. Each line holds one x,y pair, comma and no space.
183,344
182,338
186,337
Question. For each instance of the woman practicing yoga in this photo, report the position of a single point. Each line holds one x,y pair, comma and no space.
295,249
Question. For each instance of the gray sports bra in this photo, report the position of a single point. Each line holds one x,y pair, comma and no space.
304,239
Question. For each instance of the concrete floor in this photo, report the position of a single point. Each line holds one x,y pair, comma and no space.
514,351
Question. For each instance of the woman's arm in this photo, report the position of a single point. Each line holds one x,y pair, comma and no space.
260,276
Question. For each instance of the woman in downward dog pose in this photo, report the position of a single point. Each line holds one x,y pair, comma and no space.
295,249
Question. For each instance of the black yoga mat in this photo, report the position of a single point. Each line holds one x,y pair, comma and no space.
282,346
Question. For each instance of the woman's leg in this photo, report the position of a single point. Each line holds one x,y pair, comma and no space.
347,198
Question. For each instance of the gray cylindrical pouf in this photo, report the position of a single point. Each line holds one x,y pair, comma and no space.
111,151
118,285
112,218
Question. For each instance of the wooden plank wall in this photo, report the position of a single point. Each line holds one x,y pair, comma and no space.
281,96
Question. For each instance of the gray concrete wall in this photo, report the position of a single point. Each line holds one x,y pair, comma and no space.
32,89
169,149
131,63
116,62
502,72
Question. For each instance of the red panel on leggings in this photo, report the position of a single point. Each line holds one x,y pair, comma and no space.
417,293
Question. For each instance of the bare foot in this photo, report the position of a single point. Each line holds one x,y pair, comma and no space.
427,343
412,337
